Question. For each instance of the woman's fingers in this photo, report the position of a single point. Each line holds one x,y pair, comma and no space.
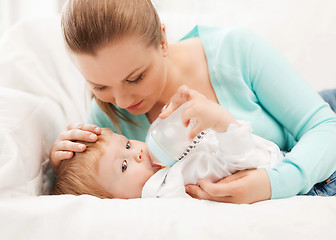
194,131
67,145
246,186
78,135
216,189
78,132
59,156
63,150
196,192
63,155
56,157
181,96
85,127
167,111
233,177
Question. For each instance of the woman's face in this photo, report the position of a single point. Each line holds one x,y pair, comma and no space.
126,73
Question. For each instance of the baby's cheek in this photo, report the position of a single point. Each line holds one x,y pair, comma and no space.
147,176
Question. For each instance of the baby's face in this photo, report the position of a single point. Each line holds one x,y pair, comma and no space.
125,166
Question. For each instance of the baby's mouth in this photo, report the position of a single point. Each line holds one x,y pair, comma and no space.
155,165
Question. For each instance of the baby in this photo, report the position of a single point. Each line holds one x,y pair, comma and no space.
116,167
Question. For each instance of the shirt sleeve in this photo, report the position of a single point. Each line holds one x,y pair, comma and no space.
300,110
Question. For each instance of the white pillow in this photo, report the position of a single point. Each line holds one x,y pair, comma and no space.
28,127
33,59
41,92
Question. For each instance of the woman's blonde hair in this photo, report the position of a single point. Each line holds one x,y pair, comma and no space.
78,175
89,25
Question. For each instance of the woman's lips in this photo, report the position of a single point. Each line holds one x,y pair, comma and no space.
135,106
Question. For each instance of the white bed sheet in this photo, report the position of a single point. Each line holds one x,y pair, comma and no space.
86,217
34,65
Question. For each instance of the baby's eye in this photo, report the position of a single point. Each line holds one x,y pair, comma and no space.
128,145
124,166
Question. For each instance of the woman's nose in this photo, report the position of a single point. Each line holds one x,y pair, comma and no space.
122,100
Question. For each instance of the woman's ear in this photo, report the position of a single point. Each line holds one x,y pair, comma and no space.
164,43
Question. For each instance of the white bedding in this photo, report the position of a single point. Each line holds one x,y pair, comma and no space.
40,92
86,217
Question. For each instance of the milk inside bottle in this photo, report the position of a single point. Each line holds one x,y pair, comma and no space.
167,139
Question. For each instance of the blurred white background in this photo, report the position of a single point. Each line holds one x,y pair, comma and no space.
304,30
14,11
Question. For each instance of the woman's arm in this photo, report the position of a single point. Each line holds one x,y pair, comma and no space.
302,112
236,149
288,99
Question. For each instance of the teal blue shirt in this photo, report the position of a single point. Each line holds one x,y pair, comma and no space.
255,83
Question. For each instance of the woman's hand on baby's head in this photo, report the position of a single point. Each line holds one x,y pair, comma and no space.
82,132
65,145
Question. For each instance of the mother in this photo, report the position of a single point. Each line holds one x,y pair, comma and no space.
120,47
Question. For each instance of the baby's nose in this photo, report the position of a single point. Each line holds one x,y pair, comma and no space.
138,156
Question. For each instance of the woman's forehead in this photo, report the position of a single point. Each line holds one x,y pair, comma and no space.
114,61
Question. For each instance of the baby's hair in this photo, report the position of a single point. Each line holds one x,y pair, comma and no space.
77,176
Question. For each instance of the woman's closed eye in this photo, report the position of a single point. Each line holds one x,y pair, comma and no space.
124,166
137,80
100,88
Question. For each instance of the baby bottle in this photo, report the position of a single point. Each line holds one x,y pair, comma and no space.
167,139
